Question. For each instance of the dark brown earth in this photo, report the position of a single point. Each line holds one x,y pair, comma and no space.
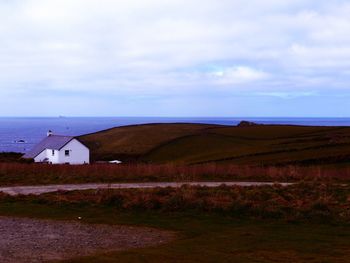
42,189
31,240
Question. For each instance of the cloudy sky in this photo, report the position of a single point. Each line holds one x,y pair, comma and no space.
175,58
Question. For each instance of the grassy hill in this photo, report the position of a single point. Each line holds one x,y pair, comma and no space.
135,141
202,143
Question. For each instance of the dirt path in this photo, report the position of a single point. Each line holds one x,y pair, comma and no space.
30,240
37,190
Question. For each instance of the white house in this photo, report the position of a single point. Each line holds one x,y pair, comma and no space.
57,149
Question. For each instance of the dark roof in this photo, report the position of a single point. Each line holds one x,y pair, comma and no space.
53,142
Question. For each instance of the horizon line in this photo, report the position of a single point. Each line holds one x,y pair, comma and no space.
233,117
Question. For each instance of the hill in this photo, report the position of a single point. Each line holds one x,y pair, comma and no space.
202,143
135,141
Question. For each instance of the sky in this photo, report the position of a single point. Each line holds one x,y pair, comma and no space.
175,58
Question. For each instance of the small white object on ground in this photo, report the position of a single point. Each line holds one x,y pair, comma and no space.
115,162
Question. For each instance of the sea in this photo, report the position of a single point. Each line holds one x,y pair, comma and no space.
20,134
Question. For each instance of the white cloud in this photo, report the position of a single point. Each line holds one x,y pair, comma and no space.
239,75
165,47
288,95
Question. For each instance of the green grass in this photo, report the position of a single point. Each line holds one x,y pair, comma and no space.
206,238
199,143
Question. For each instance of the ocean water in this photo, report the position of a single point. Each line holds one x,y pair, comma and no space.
21,134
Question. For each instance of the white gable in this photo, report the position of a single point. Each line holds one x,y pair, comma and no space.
78,153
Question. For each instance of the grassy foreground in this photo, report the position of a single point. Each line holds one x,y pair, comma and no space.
305,202
206,238
306,222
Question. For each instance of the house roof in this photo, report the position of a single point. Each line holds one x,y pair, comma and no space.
53,142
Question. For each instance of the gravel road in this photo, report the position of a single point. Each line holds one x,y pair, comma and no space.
29,240
37,190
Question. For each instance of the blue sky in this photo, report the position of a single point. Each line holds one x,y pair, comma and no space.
175,58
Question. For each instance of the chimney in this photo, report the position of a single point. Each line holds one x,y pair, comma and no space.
49,133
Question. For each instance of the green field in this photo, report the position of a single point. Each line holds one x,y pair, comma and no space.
201,143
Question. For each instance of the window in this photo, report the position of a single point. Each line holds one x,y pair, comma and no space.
53,152
66,152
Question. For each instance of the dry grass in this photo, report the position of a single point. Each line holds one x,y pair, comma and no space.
36,174
305,201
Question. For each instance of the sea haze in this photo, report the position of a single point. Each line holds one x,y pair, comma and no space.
21,134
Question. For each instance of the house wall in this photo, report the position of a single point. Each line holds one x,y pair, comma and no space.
78,153
40,158
52,158
48,154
